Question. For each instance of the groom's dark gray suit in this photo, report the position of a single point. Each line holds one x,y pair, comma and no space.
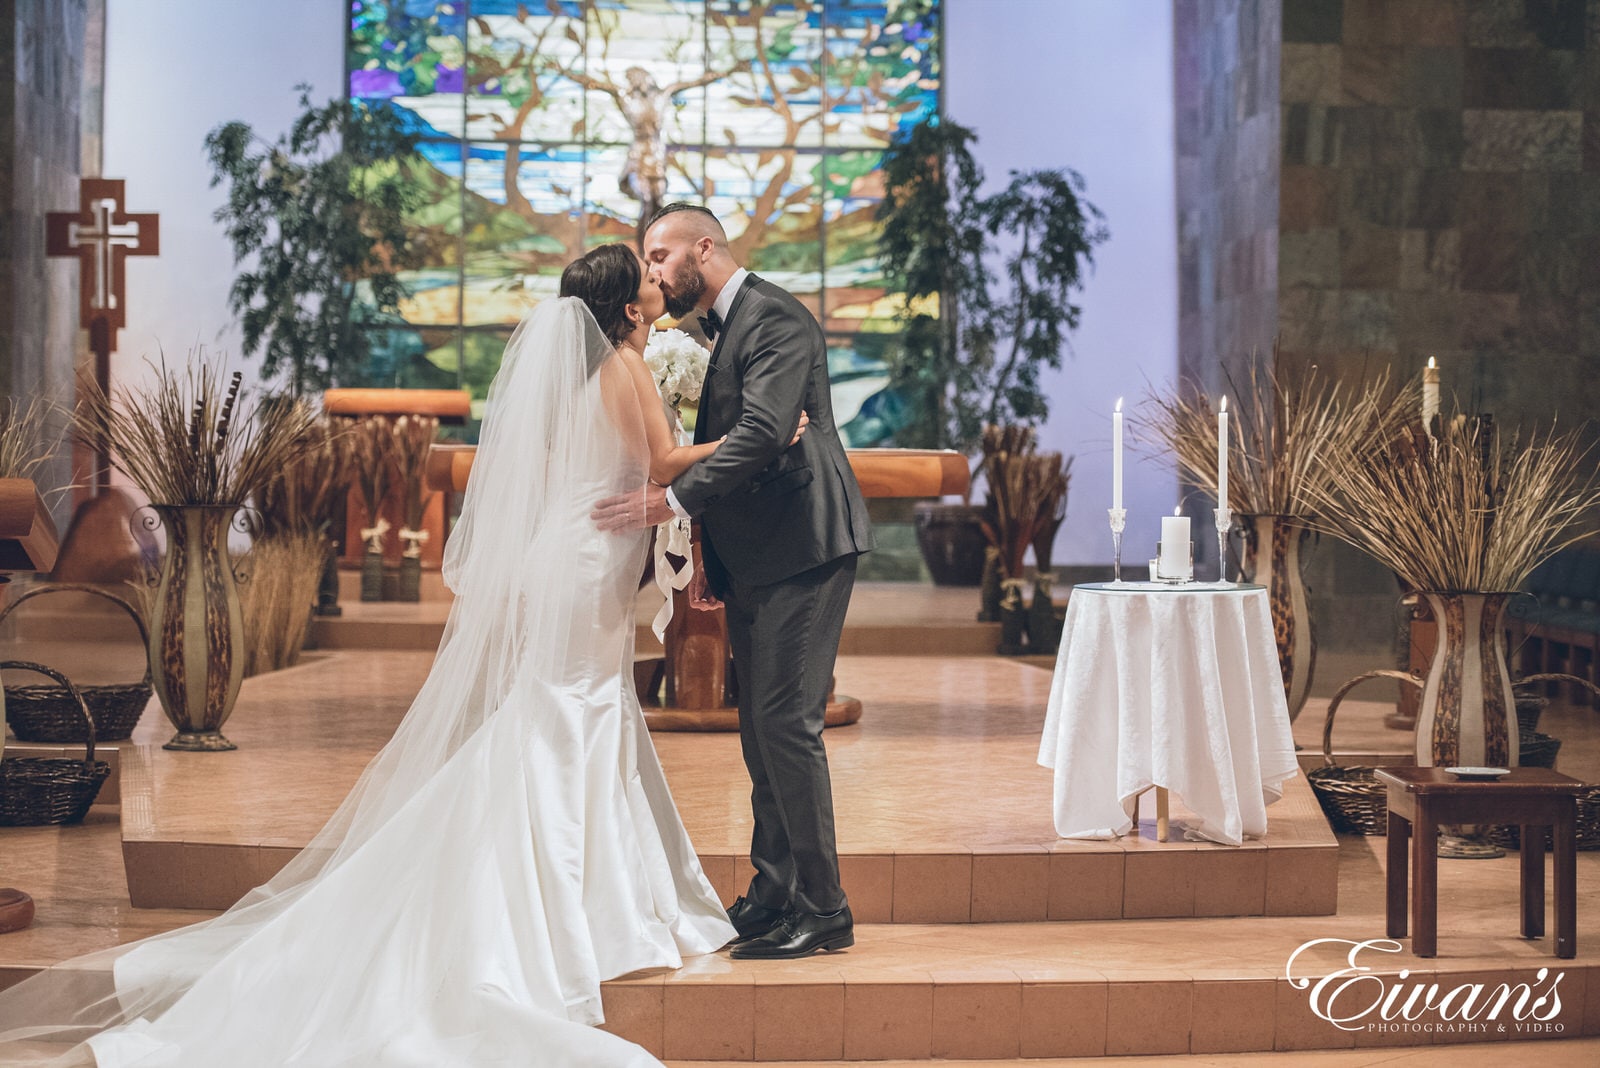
781,527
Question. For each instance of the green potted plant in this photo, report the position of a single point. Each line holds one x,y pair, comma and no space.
320,216
974,339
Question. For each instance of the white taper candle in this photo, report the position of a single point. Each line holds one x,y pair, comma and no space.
1116,456
1222,454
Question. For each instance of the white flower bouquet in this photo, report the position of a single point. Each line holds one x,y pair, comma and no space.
678,364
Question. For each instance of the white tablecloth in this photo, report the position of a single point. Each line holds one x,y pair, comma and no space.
1167,686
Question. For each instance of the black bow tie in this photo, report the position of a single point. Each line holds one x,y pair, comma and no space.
711,324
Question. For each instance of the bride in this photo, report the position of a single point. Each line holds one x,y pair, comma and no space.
515,843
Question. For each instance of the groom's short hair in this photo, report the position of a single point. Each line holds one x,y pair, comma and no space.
709,223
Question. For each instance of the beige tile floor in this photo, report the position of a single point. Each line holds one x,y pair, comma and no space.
943,812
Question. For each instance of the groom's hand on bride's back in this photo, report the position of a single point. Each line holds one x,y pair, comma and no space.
630,511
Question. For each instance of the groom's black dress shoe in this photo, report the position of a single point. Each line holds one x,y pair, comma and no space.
800,934
751,920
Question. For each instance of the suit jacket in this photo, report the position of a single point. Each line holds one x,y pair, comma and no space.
769,510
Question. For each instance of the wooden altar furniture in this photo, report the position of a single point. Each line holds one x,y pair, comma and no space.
1420,799
692,686
452,407
27,533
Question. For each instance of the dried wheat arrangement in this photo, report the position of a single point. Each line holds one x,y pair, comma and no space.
305,495
284,571
372,454
1471,510
25,436
188,440
1027,493
1283,425
413,437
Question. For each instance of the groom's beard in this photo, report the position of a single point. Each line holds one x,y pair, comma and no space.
684,290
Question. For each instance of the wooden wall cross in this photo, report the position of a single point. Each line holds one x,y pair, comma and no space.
102,234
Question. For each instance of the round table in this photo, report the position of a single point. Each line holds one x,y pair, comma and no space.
1175,686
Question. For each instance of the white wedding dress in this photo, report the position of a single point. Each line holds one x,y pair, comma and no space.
512,846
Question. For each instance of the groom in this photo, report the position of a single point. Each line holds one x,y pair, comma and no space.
781,528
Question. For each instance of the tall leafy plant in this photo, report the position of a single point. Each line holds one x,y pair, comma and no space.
318,219
975,338
931,249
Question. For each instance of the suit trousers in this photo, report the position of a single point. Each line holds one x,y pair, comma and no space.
785,638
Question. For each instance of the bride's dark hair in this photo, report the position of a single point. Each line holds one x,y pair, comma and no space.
607,280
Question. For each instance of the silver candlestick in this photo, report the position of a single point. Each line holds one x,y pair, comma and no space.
1224,524
1119,522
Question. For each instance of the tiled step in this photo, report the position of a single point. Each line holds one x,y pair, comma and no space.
1571,1053
1043,991
1069,881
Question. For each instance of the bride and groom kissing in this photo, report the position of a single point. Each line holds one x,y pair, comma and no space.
515,843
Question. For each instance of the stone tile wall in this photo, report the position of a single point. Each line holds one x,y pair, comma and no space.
1436,172
1226,81
1440,196
42,48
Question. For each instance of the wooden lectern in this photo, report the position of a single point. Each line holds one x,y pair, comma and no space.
691,688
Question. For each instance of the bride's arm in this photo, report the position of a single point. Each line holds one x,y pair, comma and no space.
668,459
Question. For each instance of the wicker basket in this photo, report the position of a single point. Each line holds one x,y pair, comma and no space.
1352,798
38,790
1588,825
1537,750
50,713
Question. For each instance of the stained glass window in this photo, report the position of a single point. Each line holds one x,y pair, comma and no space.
543,121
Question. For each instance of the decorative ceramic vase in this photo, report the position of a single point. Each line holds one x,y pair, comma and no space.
195,626
1272,558
1467,717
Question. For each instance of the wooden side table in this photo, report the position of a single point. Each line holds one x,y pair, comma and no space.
1420,799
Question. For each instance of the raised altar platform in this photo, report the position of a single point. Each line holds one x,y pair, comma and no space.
943,816
980,934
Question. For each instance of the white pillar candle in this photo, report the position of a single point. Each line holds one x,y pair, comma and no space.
1222,454
1430,394
1116,456
1175,549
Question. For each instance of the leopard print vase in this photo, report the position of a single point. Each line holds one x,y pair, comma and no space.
1272,558
1467,706
196,629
